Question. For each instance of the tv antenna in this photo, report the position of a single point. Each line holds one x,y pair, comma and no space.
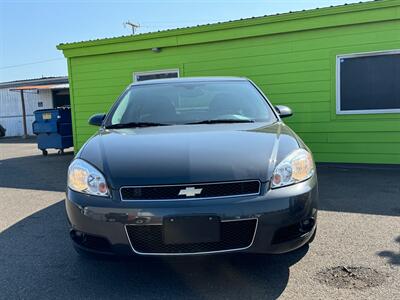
132,25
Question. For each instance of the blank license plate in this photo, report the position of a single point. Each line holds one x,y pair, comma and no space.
190,230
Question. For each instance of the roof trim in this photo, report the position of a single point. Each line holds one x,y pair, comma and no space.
41,87
318,12
36,81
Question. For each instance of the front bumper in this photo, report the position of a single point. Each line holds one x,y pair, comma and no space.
280,215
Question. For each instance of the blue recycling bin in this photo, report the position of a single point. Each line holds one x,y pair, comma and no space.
53,128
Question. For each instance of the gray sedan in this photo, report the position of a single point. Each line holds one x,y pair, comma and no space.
192,166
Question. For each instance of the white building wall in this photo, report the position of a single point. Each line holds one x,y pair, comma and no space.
11,109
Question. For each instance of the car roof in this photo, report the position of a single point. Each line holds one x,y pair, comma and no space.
189,79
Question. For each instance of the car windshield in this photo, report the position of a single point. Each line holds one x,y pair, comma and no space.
190,103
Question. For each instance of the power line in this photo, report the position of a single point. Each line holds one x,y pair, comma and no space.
134,26
178,22
30,63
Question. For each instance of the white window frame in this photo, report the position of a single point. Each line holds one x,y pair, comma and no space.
361,111
155,72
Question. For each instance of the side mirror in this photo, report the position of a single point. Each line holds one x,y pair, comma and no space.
284,111
97,119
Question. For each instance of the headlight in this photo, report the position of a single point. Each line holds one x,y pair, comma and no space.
296,167
84,178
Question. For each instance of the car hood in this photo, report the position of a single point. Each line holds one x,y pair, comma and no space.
189,153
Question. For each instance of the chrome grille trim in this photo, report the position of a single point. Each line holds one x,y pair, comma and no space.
196,253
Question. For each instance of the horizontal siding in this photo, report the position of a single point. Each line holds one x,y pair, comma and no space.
14,125
295,69
372,158
352,137
354,148
346,126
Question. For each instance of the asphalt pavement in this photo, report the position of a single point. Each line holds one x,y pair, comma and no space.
356,254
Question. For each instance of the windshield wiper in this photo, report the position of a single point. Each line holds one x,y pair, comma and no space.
221,121
134,124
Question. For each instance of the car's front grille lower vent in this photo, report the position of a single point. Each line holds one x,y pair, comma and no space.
235,235
190,191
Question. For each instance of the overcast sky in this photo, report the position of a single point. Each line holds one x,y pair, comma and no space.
30,30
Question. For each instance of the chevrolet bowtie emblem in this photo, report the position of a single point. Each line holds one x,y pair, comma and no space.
190,192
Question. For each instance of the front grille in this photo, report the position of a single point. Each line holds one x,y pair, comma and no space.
205,190
235,235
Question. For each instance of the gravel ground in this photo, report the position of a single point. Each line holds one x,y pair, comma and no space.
356,254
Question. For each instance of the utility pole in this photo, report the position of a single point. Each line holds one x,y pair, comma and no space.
132,25
23,115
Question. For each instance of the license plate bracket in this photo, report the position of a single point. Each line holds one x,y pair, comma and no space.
191,229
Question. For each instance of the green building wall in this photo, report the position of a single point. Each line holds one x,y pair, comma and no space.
292,57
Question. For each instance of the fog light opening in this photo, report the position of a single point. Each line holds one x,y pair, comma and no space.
307,225
77,236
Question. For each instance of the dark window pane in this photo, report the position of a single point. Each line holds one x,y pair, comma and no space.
370,83
144,77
